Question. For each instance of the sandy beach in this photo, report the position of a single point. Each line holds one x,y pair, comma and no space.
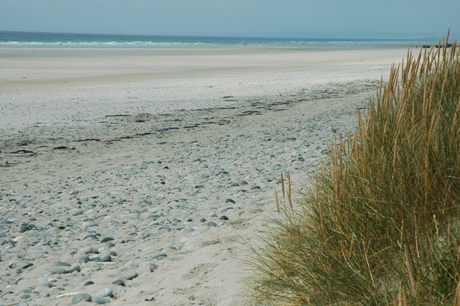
139,176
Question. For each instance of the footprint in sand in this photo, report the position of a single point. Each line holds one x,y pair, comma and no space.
199,270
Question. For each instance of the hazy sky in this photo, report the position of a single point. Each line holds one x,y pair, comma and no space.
230,17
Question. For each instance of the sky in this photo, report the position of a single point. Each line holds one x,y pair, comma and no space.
279,18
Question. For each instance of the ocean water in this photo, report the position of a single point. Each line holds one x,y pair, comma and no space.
35,39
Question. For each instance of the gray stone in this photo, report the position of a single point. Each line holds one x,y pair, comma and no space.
130,274
116,293
160,256
26,227
73,268
79,297
101,300
59,271
106,259
153,267
118,282
105,292
89,250
43,282
24,265
188,228
107,239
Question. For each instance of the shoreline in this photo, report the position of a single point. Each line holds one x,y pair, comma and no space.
51,90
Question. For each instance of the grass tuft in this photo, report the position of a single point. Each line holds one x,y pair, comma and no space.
381,224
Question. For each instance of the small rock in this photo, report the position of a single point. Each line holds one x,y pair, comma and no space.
160,256
130,264
107,239
188,228
153,267
43,282
100,300
212,224
88,283
118,282
130,274
24,265
26,227
79,297
224,218
107,258
59,271
89,250
104,292
73,268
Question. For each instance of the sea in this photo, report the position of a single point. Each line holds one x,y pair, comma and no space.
76,40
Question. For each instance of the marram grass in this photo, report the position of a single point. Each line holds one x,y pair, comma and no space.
381,226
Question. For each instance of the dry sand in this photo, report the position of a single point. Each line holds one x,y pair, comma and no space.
146,144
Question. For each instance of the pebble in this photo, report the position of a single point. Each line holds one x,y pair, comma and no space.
160,256
80,297
89,250
118,282
130,274
153,267
59,271
74,268
100,300
107,239
104,292
43,282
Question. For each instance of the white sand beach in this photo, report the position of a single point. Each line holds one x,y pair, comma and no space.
154,168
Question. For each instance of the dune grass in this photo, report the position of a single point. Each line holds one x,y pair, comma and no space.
381,224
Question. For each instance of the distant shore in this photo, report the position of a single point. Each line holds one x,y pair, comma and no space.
55,86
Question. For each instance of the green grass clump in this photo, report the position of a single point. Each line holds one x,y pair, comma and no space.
381,225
